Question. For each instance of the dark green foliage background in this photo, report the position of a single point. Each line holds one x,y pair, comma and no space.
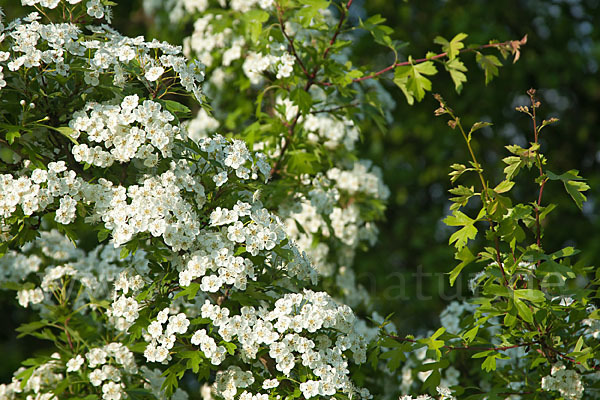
405,271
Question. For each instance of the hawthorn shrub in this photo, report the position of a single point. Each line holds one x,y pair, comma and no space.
165,260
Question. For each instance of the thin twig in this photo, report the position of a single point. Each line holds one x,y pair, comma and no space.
420,60
572,360
338,29
334,109
290,40
468,348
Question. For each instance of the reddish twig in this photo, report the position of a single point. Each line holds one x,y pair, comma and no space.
422,60
572,360
469,348
338,29
67,334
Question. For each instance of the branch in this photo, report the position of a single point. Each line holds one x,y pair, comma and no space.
572,360
468,348
485,196
290,40
338,29
290,134
535,104
510,43
67,333
334,109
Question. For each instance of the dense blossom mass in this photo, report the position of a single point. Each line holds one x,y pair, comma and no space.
166,197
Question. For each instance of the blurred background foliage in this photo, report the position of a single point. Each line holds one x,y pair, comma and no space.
405,271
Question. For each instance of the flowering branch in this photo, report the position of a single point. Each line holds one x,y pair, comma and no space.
311,76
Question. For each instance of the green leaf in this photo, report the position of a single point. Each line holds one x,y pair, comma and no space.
402,83
25,375
477,126
26,329
504,186
176,107
573,185
381,33
61,386
456,69
489,64
579,345
438,333
124,253
574,188
463,194
311,10
471,334
194,359
396,357
514,165
301,162
533,295
462,236
189,291
459,169
466,257
139,394
103,234
569,175
489,364
433,343
172,374
12,135
303,99
412,79
254,20
229,346
498,290
552,267
521,212
453,46
63,130
510,318
523,310
433,380
565,252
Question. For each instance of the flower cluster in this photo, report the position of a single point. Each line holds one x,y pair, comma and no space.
95,271
61,48
332,199
95,8
292,334
567,382
330,131
443,392
129,130
41,382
